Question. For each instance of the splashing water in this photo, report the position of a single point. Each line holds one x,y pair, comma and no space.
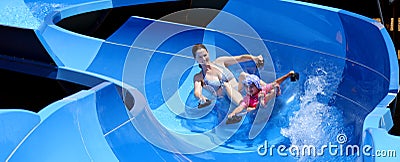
316,123
16,13
40,9
30,15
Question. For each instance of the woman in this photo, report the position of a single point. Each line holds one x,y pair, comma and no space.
216,77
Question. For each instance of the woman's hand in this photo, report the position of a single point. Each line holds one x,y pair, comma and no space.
202,99
259,60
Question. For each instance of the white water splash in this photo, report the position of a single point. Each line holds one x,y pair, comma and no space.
316,123
41,9
16,13
30,15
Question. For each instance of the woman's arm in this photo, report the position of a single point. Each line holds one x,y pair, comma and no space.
198,89
230,60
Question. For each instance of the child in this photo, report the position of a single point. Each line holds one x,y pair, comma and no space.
257,92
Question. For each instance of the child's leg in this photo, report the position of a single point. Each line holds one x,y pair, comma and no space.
279,80
283,78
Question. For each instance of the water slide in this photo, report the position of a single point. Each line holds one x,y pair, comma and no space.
139,102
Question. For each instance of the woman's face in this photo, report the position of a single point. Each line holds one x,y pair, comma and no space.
202,56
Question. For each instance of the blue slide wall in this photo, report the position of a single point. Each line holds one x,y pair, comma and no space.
96,123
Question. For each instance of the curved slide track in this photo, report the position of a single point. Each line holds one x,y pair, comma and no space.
139,103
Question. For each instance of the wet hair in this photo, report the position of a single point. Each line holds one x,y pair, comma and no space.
197,47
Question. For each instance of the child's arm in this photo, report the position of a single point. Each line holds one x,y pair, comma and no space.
262,98
265,98
237,110
276,88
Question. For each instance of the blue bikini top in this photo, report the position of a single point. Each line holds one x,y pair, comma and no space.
216,84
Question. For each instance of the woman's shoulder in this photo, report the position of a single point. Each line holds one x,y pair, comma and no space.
220,61
198,77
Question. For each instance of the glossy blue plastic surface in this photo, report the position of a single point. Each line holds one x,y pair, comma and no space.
354,53
72,126
121,3
15,125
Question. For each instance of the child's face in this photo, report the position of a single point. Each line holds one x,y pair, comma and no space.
251,89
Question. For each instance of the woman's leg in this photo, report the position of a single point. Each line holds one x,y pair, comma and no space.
232,93
242,76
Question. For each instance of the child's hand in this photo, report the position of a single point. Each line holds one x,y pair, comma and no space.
250,109
261,94
231,115
261,98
